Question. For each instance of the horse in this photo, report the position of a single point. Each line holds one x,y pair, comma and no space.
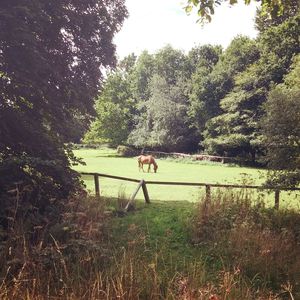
147,160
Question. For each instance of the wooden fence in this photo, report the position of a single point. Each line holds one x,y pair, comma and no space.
204,157
208,187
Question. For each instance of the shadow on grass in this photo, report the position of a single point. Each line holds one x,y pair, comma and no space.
109,155
164,225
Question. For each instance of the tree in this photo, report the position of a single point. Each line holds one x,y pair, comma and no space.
281,130
165,124
170,64
205,56
263,20
51,57
115,108
141,76
206,8
161,82
236,130
211,84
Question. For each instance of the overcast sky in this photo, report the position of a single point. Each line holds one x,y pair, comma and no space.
152,24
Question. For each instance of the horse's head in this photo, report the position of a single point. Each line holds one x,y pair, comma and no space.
155,168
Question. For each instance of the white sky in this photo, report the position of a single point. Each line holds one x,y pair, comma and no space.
152,24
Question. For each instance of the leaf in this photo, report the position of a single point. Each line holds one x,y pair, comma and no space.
188,9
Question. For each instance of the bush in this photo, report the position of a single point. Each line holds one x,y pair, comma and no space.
127,151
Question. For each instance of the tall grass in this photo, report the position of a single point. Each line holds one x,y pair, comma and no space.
262,243
257,250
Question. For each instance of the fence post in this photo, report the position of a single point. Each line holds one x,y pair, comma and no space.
97,187
277,192
208,195
145,191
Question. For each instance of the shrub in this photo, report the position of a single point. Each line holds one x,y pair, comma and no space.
127,151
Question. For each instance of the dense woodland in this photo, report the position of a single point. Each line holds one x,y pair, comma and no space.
242,101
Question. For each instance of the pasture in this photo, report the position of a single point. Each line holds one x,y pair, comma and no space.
106,161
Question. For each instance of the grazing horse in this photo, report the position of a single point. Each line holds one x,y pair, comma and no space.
147,160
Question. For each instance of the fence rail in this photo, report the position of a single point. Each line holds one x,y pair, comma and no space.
193,156
208,186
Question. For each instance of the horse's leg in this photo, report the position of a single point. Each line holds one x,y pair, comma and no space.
149,165
143,167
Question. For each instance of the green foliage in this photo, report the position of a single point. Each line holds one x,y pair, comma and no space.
166,120
142,75
203,57
281,129
270,8
50,60
209,86
115,109
236,130
162,120
170,64
263,20
127,151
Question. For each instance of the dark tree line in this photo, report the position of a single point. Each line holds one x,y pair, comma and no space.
51,55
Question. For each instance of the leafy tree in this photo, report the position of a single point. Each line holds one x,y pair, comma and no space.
165,125
163,102
127,64
211,84
236,130
263,20
115,108
51,56
206,8
203,57
281,129
141,76
170,64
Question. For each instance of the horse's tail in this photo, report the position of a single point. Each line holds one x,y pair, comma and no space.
155,165
139,161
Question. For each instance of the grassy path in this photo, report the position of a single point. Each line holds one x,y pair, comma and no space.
155,241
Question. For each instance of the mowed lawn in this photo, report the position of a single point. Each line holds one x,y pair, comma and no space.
106,161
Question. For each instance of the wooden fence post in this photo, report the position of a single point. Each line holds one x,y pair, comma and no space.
145,191
277,192
208,195
97,187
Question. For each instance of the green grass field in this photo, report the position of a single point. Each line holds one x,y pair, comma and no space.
106,161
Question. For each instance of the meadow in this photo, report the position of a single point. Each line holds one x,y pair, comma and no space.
107,161
178,250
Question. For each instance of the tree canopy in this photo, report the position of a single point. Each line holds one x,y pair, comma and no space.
52,54
281,129
270,8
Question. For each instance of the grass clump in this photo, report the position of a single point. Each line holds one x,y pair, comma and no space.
262,243
55,260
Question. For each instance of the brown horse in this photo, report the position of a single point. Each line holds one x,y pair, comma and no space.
147,160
